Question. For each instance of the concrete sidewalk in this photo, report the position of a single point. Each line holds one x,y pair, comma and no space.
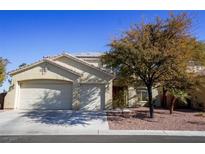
152,132
108,132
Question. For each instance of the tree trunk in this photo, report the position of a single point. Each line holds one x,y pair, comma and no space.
151,105
164,98
171,109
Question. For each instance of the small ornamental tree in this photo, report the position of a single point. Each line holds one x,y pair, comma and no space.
177,94
178,88
3,63
152,53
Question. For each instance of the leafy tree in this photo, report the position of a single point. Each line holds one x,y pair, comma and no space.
186,79
152,53
178,88
3,63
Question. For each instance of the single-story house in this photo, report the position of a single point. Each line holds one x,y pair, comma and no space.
67,82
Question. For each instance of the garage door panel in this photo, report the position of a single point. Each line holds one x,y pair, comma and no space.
45,96
91,97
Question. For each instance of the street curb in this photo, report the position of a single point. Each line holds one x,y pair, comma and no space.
114,132
153,132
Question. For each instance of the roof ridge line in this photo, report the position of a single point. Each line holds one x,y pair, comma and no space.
51,58
83,61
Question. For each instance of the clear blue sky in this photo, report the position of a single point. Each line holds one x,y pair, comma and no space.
27,36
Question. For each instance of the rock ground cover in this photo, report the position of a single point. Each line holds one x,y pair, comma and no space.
138,119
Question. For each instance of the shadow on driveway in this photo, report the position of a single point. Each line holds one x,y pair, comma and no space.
64,117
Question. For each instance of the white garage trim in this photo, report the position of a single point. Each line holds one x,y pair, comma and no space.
92,96
17,96
45,94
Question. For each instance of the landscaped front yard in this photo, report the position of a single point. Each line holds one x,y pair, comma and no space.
139,119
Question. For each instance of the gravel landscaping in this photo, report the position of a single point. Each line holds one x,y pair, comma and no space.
138,119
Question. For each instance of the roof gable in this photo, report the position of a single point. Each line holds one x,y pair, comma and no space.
27,67
82,62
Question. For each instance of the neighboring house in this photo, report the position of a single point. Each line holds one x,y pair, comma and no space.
68,82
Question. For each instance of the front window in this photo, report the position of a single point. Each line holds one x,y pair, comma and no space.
142,95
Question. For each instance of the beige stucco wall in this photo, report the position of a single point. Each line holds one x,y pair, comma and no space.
52,72
9,99
133,99
108,95
94,60
35,73
88,75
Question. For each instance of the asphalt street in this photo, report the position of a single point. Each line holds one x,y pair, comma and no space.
100,139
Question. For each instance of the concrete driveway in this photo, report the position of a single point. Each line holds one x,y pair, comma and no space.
53,122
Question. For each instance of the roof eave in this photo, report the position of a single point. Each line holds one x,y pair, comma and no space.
84,62
39,62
